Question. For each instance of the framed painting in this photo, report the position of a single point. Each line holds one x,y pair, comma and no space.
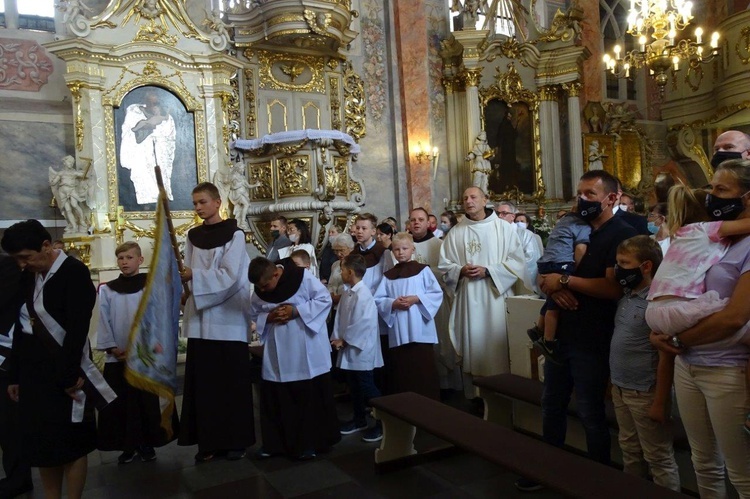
599,152
152,126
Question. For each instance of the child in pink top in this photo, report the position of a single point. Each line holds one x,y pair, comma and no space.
678,298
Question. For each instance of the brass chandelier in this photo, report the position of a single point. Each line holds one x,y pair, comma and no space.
655,24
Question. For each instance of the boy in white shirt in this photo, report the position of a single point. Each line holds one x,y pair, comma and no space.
356,337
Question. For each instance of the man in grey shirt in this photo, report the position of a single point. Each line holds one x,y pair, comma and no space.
279,239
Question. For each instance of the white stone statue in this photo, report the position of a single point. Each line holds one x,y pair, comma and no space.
239,195
480,165
74,18
596,156
73,192
220,31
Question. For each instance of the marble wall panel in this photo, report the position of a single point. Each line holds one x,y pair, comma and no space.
28,150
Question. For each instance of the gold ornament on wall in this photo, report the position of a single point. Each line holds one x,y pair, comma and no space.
309,67
155,33
355,107
333,84
250,112
294,176
742,47
261,174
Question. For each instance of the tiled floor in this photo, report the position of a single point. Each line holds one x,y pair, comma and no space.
346,472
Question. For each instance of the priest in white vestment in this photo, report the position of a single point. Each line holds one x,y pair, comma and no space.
482,259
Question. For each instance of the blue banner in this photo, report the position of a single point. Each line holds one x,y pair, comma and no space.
152,349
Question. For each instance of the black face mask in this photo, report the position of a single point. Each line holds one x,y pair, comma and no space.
720,156
274,234
589,210
724,208
628,278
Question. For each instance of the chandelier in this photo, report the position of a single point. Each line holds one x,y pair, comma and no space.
655,24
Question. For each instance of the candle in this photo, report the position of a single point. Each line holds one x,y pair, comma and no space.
698,34
676,62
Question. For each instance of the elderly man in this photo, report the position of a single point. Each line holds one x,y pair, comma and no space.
532,246
732,144
482,259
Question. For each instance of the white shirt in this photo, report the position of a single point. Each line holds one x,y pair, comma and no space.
357,324
116,314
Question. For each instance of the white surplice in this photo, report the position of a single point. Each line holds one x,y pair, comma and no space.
417,324
116,314
477,324
220,291
299,349
532,251
357,324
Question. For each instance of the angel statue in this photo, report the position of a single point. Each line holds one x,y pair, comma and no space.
73,191
219,31
480,166
74,18
239,195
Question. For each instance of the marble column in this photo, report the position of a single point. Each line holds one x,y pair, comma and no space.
591,38
412,45
454,153
575,135
549,117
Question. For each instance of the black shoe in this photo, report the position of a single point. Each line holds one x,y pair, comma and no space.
535,334
236,455
306,456
526,485
548,348
126,457
204,456
147,453
374,434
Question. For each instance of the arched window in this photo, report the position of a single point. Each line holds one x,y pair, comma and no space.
613,16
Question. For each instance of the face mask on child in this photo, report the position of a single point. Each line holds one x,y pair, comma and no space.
444,227
628,278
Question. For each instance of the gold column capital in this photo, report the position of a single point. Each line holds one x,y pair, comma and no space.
573,88
472,76
449,82
548,93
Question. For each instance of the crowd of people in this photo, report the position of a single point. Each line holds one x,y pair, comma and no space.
421,309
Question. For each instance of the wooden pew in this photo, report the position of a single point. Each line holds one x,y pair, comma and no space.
562,471
499,390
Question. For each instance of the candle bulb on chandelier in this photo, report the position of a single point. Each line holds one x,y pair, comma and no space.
715,40
642,41
698,34
617,52
676,62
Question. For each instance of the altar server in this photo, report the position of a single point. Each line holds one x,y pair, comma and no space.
297,410
408,298
51,375
132,423
217,409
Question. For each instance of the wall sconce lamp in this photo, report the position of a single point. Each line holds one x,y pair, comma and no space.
423,155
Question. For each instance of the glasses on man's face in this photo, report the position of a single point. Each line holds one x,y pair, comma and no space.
654,217
503,213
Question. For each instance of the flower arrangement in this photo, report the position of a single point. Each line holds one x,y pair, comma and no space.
541,226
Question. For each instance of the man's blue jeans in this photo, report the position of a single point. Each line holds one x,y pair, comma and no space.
585,370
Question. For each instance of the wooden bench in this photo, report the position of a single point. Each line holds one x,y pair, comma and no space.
497,391
568,473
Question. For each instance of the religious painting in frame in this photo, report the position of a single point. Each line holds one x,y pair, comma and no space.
153,127
599,152
510,117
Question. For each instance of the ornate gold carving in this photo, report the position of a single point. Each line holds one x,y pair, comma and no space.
323,219
340,178
288,149
250,112
163,12
316,66
697,70
332,64
333,85
294,176
508,87
548,93
234,115
75,90
261,174
292,70
565,26
82,245
355,107
526,53
155,33
572,88
318,23
739,49
472,76
449,83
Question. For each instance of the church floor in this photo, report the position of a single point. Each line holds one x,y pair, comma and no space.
346,472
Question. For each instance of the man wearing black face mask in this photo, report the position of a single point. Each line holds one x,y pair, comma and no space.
279,239
588,301
732,144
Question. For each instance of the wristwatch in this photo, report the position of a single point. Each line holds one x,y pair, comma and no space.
564,280
675,341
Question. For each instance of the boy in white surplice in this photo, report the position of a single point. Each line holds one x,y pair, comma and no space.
356,337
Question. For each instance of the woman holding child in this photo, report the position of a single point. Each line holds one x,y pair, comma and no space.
711,375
